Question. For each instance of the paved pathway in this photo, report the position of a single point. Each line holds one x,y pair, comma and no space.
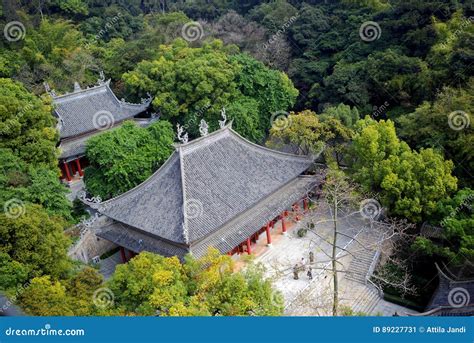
314,297
107,266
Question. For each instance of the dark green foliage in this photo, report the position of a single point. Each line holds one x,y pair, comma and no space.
36,241
456,217
122,158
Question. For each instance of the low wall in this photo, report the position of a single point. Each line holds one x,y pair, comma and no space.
90,246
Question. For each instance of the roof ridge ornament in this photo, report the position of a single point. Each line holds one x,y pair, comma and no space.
77,87
48,89
182,138
203,128
146,101
185,233
222,122
101,79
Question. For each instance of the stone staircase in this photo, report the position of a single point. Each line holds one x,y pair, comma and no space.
360,266
364,295
366,300
363,256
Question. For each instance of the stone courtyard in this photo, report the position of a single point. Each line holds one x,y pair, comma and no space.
355,255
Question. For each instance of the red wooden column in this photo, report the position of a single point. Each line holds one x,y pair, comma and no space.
66,169
122,254
132,255
283,224
79,169
249,248
269,237
305,204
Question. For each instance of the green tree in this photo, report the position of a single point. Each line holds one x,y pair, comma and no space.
26,124
46,297
446,122
124,157
409,183
36,240
38,185
191,84
309,133
456,217
151,284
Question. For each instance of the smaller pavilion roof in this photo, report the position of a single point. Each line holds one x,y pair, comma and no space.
87,110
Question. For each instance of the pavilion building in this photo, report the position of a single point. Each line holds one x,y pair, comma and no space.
84,113
219,190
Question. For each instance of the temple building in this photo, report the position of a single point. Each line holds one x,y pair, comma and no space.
219,190
85,113
453,297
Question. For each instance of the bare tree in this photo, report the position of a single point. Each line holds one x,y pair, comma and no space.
344,202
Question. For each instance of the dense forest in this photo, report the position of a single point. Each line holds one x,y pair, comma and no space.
386,86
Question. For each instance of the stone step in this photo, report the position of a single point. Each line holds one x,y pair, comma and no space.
366,301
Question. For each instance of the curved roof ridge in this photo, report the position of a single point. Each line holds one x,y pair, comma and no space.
451,277
183,190
272,151
123,103
163,167
106,86
200,141
84,90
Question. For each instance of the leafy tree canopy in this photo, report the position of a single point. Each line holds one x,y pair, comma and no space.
36,241
122,158
456,217
196,83
151,284
445,123
409,183
26,124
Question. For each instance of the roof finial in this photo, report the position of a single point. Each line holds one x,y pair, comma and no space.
147,101
48,89
77,86
101,78
224,117
203,128
182,138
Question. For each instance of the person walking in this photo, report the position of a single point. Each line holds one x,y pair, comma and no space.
310,273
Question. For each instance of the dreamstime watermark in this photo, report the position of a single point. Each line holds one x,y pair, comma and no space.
370,209
14,208
465,22
103,120
379,110
454,212
370,31
100,35
280,120
458,120
193,209
192,31
103,298
13,299
14,31
46,331
280,32
459,297
197,116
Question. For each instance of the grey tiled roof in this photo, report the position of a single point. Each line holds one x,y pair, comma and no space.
450,290
76,110
134,240
247,223
213,179
76,146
